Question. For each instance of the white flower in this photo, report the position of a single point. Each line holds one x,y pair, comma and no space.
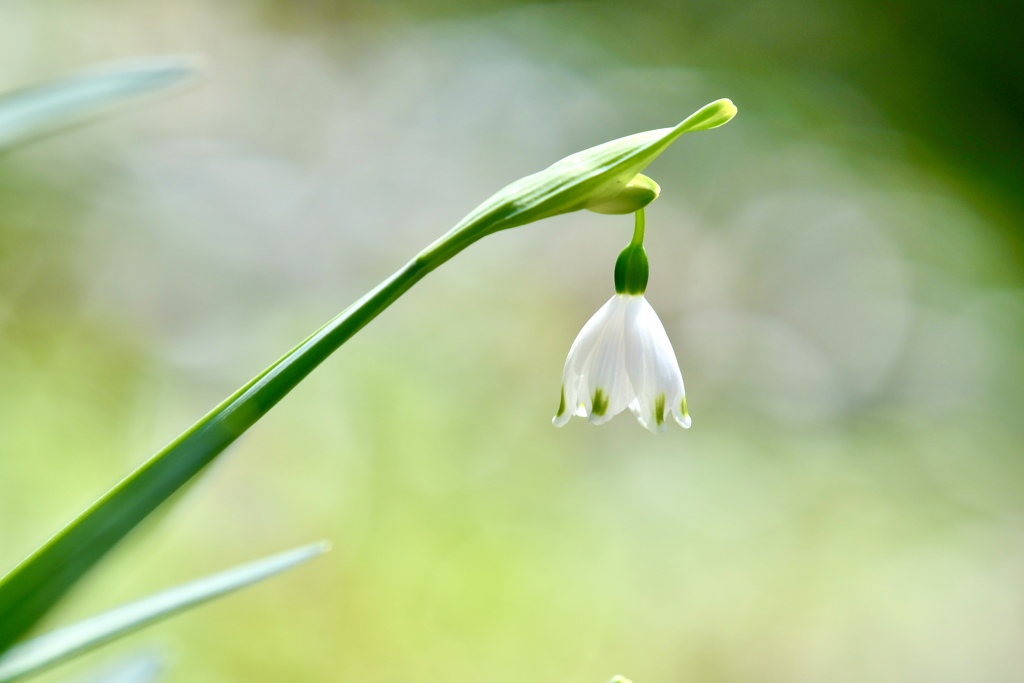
621,359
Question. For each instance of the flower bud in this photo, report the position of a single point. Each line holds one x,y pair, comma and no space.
617,198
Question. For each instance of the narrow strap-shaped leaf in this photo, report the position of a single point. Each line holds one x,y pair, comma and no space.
40,109
29,591
47,650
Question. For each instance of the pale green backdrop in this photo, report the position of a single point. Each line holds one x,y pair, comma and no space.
839,270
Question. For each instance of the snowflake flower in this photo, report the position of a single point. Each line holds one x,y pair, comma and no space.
622,358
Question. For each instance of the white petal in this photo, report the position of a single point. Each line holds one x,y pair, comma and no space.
609,390
563,414
644,419
574,375
652,367
680,413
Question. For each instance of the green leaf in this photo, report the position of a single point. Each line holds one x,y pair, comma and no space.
40,109
45,651
29,591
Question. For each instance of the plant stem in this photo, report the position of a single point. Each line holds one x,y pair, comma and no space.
36,585
24,599
638,230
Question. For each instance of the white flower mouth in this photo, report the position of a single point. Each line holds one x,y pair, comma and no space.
622,358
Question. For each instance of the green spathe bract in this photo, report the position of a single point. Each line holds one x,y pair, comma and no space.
634,196
595,175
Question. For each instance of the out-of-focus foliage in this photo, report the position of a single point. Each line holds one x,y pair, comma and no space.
143,668
949,77
42,108
32,656
30,591
838,270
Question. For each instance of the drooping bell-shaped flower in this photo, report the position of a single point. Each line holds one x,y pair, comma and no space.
622,357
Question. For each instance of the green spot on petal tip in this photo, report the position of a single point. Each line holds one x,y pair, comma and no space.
600,403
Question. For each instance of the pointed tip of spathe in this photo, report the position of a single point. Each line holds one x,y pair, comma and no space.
712,115
729,109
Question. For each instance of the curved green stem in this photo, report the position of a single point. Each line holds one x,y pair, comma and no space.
65,557
638,230
29,591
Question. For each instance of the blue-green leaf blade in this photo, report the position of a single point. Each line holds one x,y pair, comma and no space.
47,650
37,110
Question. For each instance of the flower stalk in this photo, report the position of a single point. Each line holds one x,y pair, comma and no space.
604,179
622,358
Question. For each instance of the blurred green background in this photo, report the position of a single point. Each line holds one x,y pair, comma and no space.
839,269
